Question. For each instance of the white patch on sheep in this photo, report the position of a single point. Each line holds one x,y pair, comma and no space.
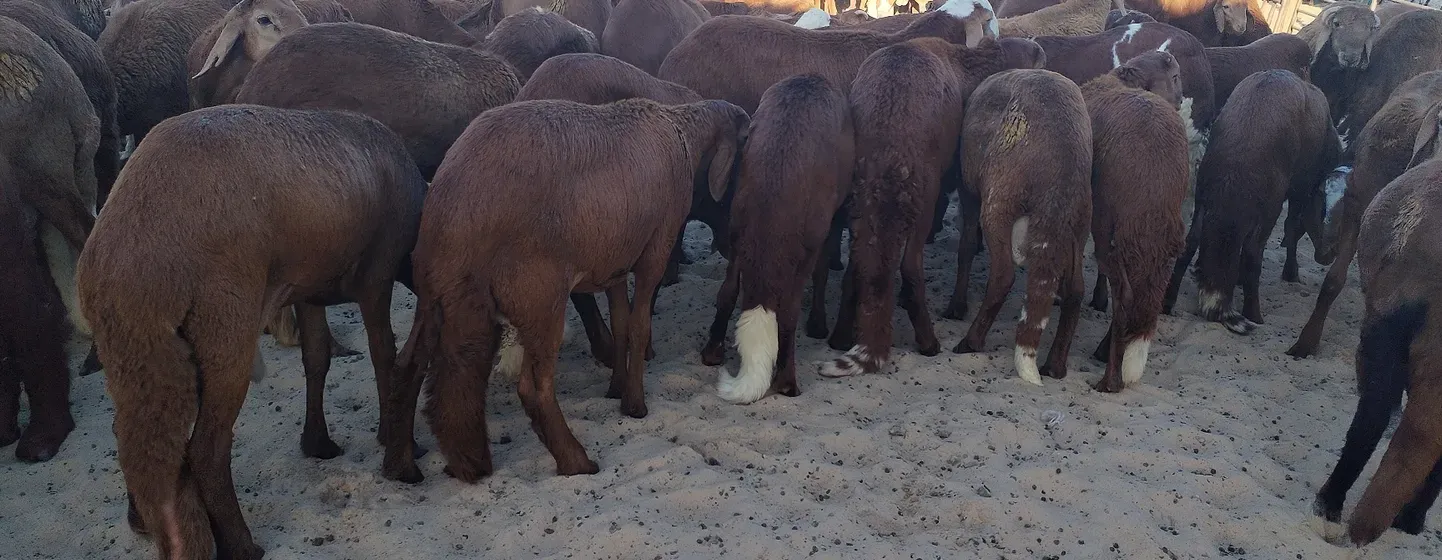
847,365
1042,326
1196,140
1134,360
1018,241
62,259
814,18
758,342
1208,302
1340,137
1132,30
1021,320
1334,186
1026,365
1165,43
960,9
511,352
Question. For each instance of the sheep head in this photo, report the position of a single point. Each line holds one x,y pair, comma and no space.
978,17
1155,71
1231,16
1350,29
258,25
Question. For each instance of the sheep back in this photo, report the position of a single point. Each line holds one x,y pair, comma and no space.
596,79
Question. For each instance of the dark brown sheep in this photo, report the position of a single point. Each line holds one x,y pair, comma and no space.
1341,39
484,261
643,32
1384,151
222,56
1118,18
32,338
596,79
453,9
590,14
1272,143
1013,8
529,37
795,171
1068,18
1280,51
736,58
48,150
85,59
1397,354
1216,23
1410,45
1140,173
755,7
145,45
87,16
417,18
179,277
907,102
426,92
1084,58
1031,214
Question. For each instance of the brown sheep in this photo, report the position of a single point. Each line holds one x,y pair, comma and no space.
1384,151
1216,23
1084,58
907,102
643,32
1030,214
736,58
453,9
1272,143
596,79
48,149
179,277
220,58
1387,11
145,45
795,171
1013,8
848,18
87,16
426,92
1140,172
1069,18
417,18
527,38
1118,18
1410,45
1397,354
1230,65
763,8
85,59
32,338
483,262
589,14
1341,39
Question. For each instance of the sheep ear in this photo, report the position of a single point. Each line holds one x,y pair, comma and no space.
1426,135
724,159
1131,77
229,36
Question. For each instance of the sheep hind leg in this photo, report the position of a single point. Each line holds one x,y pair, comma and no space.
1378,398
1179,270
1413,518
999,281
1332,285
1251,281
816,317
620,303
1073,292
9,402
714,353
596,332
375,309
225,354
540,337
1110,352
1099,294
648,273
968,215
315,438
913,298
1292,234
1410,458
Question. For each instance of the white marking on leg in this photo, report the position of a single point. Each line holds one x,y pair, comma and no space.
1132,30
1134,360
758,341
61,259
1209,302
814,18
1018,240
1026,365
847,365
1042,325
511,351
1022,318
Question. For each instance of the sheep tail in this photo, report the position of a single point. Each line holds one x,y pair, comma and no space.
1383,354
156,397
758,342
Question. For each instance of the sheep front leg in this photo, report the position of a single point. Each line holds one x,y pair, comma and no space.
816,319
540,337
913,289
1194,241
1292,234
1413,518
9,403
315,344
968,223
1375,404
620,303
1311,335
648,279
998,284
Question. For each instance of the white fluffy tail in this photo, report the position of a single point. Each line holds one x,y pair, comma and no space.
758,341
511,353
815,18
61,259
1134,360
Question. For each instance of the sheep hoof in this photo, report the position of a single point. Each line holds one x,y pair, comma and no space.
788,389
835,264
840,343
955,311
965,347
1238,324
1100,304
1290,275
1102,354
468,475
1055,373
582,466
338,350
1109,384
930,349
1301,349
92,363
714,354
634,410
1410,522
408,473
132,516
41,441
320,447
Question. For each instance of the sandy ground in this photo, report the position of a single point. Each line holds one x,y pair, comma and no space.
1215,455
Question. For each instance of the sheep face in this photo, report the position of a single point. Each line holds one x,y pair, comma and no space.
260,24
1231,16
1350,30
978,16
1018,53
1157,72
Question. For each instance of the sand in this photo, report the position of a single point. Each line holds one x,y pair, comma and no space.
1216,454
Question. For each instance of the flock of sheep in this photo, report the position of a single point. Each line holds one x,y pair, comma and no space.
502,158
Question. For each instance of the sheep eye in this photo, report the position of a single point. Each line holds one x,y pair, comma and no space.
263,20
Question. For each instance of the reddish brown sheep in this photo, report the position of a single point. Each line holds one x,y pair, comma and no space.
426,92
222,56
145,45
596,79
526,39
1013,8
1273,143
908,102
794,173
1068,18
1216,23
1027,159
643,32
1384,151
417,18
1140,173
736,58
191,257
1281,51
589,14
1397,354
541,199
